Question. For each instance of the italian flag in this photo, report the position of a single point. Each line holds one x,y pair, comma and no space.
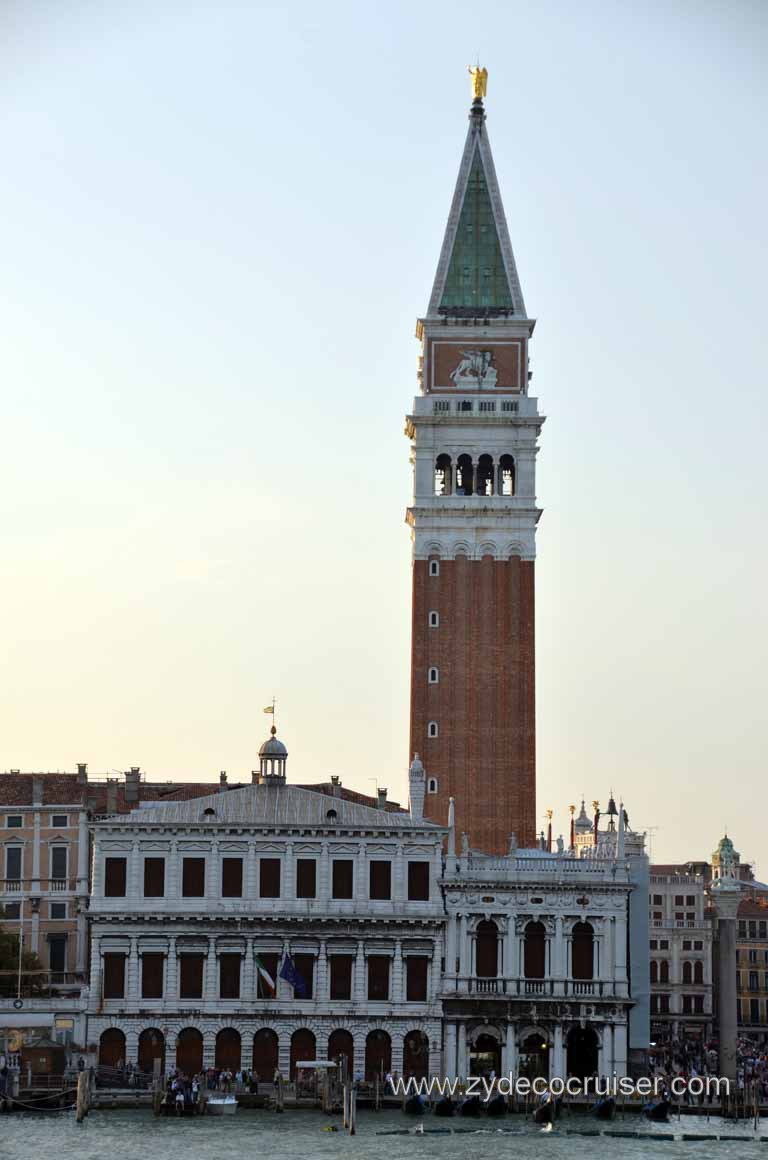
262,974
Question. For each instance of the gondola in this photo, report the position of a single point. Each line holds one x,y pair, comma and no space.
470,1106
658,1112
415,1106
604,1109
497,1106
445,1107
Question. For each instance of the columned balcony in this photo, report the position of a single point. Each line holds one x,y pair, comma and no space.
522,988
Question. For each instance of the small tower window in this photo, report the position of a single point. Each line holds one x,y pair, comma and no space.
433,676
432,729
506,470
443,475
434,619
434,567
432,785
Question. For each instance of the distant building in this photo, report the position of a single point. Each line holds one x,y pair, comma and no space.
681,954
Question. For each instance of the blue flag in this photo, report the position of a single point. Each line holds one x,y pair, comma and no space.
291,975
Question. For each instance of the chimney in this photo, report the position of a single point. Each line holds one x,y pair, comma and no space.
381,798
111,795
132,778
416,788
37,790
335,785
82,773
222,780
14,771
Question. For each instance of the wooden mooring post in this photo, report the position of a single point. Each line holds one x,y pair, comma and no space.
83,1098
352,1111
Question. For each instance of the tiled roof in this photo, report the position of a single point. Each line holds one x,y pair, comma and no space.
58,789
753,908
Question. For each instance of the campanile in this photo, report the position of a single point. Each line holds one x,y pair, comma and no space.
474,429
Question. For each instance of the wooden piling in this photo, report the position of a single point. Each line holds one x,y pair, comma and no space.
82,1101
353,1112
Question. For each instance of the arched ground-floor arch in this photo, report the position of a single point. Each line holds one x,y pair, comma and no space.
266,1048
302,1048
189,1051
341,1046
582,1052
112,1047
378,1054
416,1054
485,1055
151,1047
228,1049
534,1056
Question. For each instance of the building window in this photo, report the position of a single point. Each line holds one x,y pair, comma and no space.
115,877
508,405
678,900
305,965
416,972
114,976
306,878
152,976
154,877
657,900
342,877
341,976
664,971
432,729
698,945
13,863
380,880
653,944
690,900
487,405
664,944
193,878
232,878
269,877
686,944
754,984
59,821
378,977
418,881
58,863
57,910
12,911
57,953
191,976
434,567
229,976
434,619
14,821
754,1010
433,676
432,785
664,1004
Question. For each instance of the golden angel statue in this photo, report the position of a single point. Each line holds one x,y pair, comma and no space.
479,81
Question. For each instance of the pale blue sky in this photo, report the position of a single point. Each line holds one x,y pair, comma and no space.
219,223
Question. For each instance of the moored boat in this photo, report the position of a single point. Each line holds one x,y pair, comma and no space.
221,1105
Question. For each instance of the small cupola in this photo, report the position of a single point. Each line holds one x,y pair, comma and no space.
272,758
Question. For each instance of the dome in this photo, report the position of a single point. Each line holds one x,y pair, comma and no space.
582,822
272,747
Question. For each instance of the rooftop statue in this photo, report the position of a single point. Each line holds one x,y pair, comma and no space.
479,81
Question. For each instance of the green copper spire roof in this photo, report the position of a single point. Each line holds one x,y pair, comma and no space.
476,275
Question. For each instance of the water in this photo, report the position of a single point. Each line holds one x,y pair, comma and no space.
138,1135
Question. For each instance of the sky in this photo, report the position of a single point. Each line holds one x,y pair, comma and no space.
218,225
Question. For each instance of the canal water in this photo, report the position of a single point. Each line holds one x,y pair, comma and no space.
137,1135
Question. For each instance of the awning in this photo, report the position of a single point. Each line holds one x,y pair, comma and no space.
25,1019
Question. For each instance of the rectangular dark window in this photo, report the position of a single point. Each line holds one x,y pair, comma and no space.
154,877
13,862
115,877
306,875
378,976
664,1004
380,880
193,878
14,821
57,953
698,1004
271,963
657,900
229,976
58,862
191,976
341,976
416,971
687,1005
269,877
753,981
232,878
58,910
418,881
678,900
342,877
12,910
59,821
152,976
305,965
114,976
698,945
754,1010
690,900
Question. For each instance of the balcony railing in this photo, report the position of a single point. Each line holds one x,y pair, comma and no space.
33,886
39,984
543,988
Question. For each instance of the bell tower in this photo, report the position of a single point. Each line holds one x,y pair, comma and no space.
474,430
